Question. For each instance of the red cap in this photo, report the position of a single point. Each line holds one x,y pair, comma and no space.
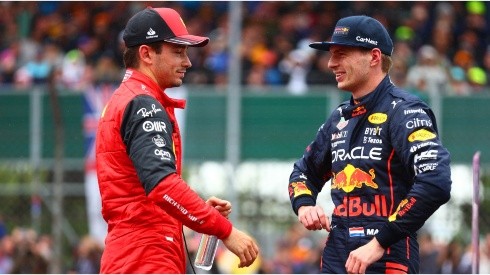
160,24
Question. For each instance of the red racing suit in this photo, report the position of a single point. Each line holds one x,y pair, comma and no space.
144,199
389,173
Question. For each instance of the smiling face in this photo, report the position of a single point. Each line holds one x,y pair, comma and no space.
166,64
353,69
170,66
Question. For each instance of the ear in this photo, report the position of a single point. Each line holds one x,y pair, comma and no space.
145,53
375,56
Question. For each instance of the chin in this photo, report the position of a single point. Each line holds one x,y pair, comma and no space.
343,86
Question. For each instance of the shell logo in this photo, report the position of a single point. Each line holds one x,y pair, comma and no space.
421,135
377,118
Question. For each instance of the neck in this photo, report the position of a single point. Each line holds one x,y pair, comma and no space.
368,87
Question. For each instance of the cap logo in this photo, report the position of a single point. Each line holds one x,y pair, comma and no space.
341,31
366,40
151,34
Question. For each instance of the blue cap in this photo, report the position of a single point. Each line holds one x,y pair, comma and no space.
358,31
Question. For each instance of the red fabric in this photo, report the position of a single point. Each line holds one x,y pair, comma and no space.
396,268
177,199
145,232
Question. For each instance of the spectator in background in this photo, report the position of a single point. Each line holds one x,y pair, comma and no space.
429,254
6,255
296,65
281,261
404,58
8,63
93,28
74,71
26,255
465,262
297,253
37,70
486,64
464,59
216,61
442,38
3,228
485,255
87,256
106,70
477,78
450,262
320,74
459,84
427,76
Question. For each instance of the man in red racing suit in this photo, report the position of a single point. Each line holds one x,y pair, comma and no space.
139,158
388,169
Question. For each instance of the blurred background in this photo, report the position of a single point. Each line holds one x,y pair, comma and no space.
256,95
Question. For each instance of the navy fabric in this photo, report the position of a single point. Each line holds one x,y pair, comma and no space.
358,31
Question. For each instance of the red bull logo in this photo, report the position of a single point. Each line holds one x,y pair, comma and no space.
404,206
352,177
359,111
354,206
298,188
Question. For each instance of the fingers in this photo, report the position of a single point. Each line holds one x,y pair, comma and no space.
243,246
248,258
313,218
325,222
355,265
223,206
226,205
210,201
249,255
363,256
224,212
214,201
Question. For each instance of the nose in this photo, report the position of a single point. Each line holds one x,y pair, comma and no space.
187,62
331,63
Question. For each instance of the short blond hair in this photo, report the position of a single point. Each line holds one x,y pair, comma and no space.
386,63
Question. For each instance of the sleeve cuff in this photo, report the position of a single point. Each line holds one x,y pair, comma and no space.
224,226
388,235
301,201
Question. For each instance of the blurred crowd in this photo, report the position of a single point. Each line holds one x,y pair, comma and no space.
24,251
297,251
440,47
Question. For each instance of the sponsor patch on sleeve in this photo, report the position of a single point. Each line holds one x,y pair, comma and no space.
299,188
421,135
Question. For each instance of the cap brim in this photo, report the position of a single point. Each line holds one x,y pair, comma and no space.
323,46
189,40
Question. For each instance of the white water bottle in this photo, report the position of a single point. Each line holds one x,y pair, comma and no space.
206,252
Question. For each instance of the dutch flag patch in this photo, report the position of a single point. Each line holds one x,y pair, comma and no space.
356,232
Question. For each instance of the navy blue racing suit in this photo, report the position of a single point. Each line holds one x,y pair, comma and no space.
388,172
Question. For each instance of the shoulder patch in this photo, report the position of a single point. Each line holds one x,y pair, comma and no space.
421,135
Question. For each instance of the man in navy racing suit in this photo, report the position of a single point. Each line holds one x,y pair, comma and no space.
388,169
